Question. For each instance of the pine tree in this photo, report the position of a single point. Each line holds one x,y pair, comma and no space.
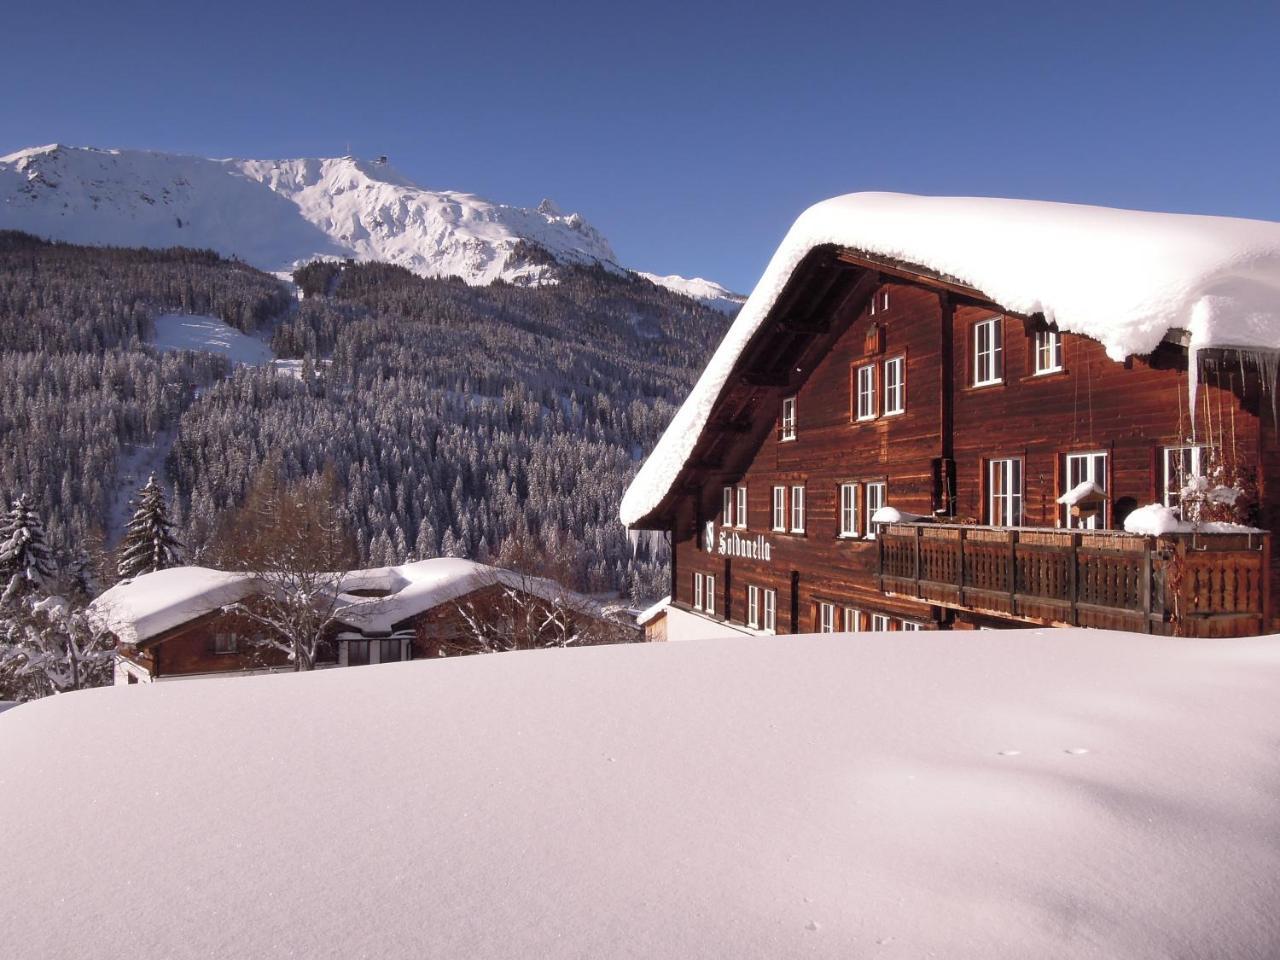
149,544
25,560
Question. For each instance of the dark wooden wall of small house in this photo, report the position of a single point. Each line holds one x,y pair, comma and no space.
1128,410
190,649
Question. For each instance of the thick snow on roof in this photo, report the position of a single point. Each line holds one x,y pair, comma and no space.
1051,794
1123,277
143,607
428,583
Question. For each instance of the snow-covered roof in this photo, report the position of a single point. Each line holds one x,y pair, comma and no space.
420,586
1123,277
1059,793
143,607
649,613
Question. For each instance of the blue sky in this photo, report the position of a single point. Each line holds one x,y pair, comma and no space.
690,134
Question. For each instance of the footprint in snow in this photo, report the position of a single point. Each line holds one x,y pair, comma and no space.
813,925
1009,753
1076,751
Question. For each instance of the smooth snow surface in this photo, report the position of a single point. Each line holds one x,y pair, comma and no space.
708,291
1123,277
276,214
1015,794
185,331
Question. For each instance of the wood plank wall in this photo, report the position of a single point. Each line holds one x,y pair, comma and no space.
1129,410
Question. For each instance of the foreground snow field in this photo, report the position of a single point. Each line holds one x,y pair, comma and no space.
1003,794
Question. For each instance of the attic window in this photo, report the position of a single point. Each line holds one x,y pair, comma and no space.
789,418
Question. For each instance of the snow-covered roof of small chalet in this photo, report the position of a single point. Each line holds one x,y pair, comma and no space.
146,606
420,586
140,608
1123,277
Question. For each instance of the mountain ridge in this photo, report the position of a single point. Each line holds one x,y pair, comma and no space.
279,214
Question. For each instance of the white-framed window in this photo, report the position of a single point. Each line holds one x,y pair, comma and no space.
848,509
866,389
879,622
753,606
710,606
1180,465
789,418
908,625
726,507
1004,498
988,352
224,643
874,496
1048,351
741,516
895,386
771,610
852,620
1079,468
826,618
879,302
797,509
780,508
697,591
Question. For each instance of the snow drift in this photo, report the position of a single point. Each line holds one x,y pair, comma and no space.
1005,794
1123,277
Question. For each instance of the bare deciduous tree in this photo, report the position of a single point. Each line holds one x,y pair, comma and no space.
294,540
510,610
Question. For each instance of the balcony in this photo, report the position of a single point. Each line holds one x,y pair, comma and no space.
1185,584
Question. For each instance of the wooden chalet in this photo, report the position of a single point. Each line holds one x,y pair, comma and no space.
892,448
187,621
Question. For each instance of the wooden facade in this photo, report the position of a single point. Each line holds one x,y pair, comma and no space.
874,383
213,643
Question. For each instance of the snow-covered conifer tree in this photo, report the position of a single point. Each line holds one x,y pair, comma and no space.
149,543
25,561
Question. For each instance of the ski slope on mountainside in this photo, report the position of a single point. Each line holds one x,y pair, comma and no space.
277,214
1003,794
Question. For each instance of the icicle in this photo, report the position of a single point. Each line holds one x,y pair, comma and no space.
1193,383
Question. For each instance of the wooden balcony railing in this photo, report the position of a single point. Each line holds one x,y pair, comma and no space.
1206,585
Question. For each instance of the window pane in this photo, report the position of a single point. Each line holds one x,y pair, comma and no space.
742,507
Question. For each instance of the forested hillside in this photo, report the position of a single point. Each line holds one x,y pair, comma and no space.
457,418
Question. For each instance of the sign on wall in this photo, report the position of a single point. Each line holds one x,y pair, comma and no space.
730,543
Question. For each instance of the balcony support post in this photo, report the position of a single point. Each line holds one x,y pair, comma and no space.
1073,578
1013,571
916,558
1146,586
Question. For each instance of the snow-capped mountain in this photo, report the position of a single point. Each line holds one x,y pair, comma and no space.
276,214
708,291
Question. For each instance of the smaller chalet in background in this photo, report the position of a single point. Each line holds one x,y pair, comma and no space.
956,412
175,623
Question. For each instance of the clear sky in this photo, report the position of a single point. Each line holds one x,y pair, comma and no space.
690,134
